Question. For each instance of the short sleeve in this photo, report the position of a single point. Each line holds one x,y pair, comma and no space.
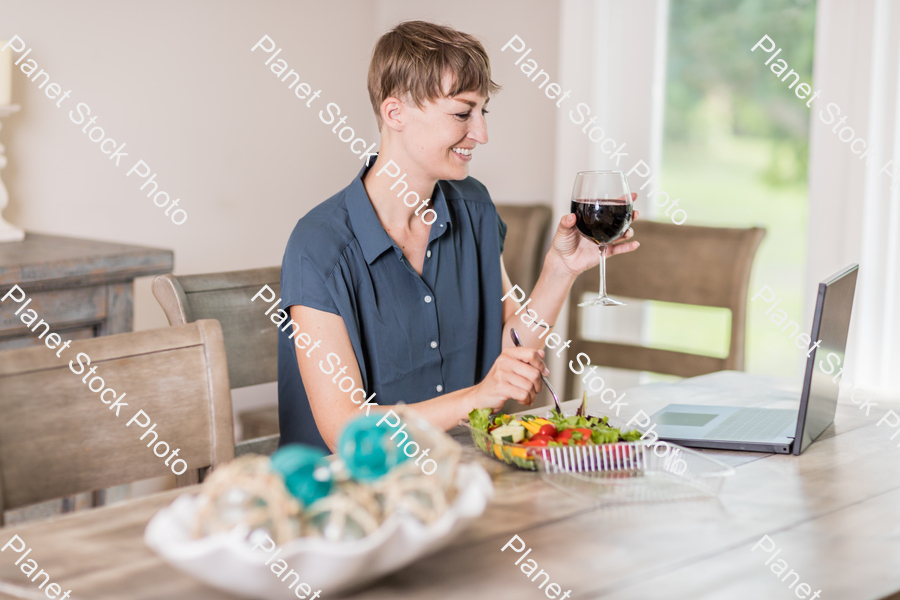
302,279
501,226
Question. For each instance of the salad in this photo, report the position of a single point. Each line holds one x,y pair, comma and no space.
517,440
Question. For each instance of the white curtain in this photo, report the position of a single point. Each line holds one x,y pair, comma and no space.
612,55
854,214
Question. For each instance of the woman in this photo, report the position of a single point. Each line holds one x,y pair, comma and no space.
405,303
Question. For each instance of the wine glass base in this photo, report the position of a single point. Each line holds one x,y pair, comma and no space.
602,301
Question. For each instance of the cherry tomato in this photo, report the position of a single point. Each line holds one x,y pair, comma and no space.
566,434
539,440
547,430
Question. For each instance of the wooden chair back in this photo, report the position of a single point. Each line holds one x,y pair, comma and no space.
251,339
523,250
58,437
687,264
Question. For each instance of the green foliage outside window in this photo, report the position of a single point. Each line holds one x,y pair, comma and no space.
715,83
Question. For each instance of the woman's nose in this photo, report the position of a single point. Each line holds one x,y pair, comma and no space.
478,131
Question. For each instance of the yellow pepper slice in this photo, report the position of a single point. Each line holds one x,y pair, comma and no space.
541,421
520,452
531,426
497,452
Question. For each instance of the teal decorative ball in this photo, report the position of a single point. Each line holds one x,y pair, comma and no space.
305,471
367,449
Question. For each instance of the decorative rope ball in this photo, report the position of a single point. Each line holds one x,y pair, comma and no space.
350,513
246,492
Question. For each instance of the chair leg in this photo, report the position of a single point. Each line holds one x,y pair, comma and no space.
98,498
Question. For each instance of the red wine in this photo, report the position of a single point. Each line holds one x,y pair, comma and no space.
603,221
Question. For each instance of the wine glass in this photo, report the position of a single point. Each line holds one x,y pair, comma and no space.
602,206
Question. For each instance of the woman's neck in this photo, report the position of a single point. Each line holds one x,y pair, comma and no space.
396,208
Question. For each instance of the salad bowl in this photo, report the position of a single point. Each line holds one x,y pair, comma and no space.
590,457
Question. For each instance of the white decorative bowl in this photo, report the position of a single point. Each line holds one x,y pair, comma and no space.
228,561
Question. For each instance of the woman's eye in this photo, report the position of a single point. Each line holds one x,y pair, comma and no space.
464,116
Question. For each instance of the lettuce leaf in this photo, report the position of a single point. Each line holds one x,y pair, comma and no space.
632,436
500,419
480,418
524,463
604,435
572,422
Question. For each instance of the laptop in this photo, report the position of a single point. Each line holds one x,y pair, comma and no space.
778,430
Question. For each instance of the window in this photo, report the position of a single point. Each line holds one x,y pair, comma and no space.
735,151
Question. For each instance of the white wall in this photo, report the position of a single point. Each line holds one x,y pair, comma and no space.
178,84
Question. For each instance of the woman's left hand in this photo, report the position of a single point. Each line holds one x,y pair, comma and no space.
578,254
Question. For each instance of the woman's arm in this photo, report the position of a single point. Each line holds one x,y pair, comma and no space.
570,255
515,374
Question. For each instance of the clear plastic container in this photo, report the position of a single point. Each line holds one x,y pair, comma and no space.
617,473
637,472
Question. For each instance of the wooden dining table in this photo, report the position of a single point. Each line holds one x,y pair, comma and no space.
833,513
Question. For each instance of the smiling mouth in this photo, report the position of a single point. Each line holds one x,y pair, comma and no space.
463,151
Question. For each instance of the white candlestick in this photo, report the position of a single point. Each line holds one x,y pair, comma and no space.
5,75
8,233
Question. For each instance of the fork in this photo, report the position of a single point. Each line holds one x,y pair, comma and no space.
515,339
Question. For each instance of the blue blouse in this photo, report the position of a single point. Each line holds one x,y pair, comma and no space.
414,337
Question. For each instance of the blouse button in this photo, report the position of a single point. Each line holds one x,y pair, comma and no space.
427,298
434,344
440,388
428,254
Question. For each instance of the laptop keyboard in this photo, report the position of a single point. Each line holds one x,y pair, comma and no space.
753,425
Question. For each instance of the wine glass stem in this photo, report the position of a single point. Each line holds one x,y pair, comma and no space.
602,271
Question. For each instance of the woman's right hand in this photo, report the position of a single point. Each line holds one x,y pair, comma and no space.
515,374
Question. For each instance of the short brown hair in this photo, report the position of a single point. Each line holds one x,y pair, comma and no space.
413,57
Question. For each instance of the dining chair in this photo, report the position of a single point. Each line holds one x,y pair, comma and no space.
523,250
251,340
62,433
686,264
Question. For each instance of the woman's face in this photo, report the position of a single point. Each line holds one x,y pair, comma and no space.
441,136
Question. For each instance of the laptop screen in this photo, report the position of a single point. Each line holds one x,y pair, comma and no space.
831,323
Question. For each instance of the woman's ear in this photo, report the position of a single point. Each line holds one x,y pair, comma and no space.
393,113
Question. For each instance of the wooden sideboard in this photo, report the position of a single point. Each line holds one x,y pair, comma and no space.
83,288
